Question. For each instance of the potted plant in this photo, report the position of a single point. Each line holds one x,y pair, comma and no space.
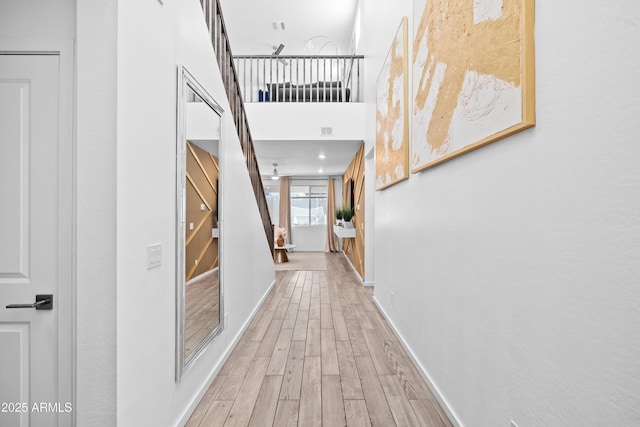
339,218
347,214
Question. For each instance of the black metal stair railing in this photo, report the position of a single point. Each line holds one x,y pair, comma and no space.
220,41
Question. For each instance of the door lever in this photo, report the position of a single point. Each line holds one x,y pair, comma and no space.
43,302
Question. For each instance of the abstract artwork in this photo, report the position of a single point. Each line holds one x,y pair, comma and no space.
392,114
473,76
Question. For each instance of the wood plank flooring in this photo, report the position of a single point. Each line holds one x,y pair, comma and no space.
318,353
202,310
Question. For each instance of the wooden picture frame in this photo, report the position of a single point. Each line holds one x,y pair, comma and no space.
392,113
473,76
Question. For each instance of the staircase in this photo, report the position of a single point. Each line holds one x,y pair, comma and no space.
220,42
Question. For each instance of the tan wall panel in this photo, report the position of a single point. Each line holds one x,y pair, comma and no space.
354,248
194,215
208,261
202,176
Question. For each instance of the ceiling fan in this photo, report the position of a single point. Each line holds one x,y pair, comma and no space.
276,51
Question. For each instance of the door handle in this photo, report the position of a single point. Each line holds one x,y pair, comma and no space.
43,302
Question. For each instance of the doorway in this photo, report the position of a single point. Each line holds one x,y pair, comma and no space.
36,222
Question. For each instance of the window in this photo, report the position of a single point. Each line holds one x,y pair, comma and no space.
308,204
272,192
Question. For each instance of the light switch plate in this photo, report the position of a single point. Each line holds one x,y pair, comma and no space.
154,255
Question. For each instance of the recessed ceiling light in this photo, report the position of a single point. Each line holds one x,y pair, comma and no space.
321,156
319,170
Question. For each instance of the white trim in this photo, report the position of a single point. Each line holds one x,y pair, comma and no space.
68,159
66,298
423,372
218,366
353,268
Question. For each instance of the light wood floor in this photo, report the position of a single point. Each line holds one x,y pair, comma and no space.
202,310
318,353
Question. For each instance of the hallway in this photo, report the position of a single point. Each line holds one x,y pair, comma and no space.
318,353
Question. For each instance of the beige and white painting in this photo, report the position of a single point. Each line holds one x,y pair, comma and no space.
473,76
392,121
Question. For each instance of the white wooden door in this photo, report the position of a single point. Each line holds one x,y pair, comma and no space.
32,258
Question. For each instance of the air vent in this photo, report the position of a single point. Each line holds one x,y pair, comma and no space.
326,131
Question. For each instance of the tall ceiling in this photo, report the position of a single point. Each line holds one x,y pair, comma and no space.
310,26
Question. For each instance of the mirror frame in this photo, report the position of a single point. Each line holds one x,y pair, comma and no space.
187,82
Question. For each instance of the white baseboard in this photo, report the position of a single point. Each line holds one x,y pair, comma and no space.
423,372
353,268
218,366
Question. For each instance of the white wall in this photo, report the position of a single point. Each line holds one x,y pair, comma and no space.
152,40
309,238
96,281
313,238
369,216
37,19
297,121
515,267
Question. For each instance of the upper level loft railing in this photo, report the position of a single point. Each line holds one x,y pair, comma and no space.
220,41
300,78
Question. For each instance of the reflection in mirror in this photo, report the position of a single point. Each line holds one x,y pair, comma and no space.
199,286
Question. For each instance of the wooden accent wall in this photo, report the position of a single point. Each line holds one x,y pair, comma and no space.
202,179
354,248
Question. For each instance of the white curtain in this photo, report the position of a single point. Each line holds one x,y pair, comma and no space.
284,219
332,239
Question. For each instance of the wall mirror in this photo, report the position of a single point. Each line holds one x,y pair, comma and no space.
199,285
